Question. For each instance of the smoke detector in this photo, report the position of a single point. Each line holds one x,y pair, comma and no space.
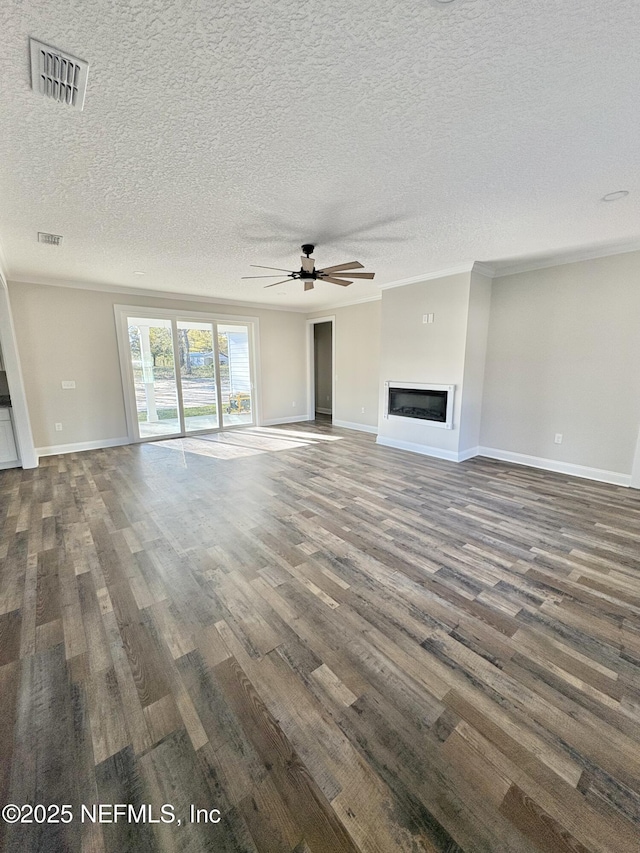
49,239
58,75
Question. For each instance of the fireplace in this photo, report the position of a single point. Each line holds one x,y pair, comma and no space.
431,403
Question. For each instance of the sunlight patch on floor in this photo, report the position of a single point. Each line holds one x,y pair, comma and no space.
310,437
242,443
214,450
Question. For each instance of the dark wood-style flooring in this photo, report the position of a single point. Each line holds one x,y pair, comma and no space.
339,646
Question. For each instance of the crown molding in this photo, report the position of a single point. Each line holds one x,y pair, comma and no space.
334,305
484,269
591,253
491,270
149,293
467,266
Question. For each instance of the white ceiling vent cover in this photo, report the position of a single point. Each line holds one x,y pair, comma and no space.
58,75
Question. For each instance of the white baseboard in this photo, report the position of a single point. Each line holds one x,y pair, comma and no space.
422,449
463,455
56,449
14,463
353,425
559,467
324,411
568,468
292,419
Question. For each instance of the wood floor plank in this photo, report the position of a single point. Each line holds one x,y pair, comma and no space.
340,646
322,829
10,633
9,683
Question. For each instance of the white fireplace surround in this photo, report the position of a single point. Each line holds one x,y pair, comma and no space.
418,386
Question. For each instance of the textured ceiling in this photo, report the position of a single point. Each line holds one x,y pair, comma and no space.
410,135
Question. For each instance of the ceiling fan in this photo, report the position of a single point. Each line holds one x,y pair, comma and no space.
309,274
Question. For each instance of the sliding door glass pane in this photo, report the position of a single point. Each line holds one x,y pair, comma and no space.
154,376
198,375
235,374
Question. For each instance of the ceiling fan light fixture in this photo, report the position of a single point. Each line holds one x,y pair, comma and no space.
308,274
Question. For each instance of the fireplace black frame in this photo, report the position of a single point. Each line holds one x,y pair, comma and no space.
439,415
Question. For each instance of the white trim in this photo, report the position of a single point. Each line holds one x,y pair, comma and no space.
421,386
333,306
559,467
152,294
56,449
493,270
634,482
168,313
358,427
463,455
311,382
4,466
569,257
4,266
124,357
20,412
292,419
467,266
121,312
483,269
423,449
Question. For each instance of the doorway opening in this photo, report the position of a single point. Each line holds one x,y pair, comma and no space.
321,369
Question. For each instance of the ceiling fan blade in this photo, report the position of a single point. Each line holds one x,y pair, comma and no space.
307,263
352,265
258,276
278,282
354,274
336,281
257,266
308,285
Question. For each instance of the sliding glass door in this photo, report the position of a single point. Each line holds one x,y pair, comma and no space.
198,375
235,373
154,377
184,375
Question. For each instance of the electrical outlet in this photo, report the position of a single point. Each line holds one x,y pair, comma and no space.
362,410
558,438
58,427
68,384
293,404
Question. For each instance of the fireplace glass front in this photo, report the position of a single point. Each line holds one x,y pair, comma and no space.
416,403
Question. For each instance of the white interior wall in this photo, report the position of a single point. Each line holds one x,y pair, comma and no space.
474,362
357,364
555,335
20,414
69,333
563,357
431,353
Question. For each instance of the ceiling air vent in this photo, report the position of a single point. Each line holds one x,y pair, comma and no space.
49,239
58,75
